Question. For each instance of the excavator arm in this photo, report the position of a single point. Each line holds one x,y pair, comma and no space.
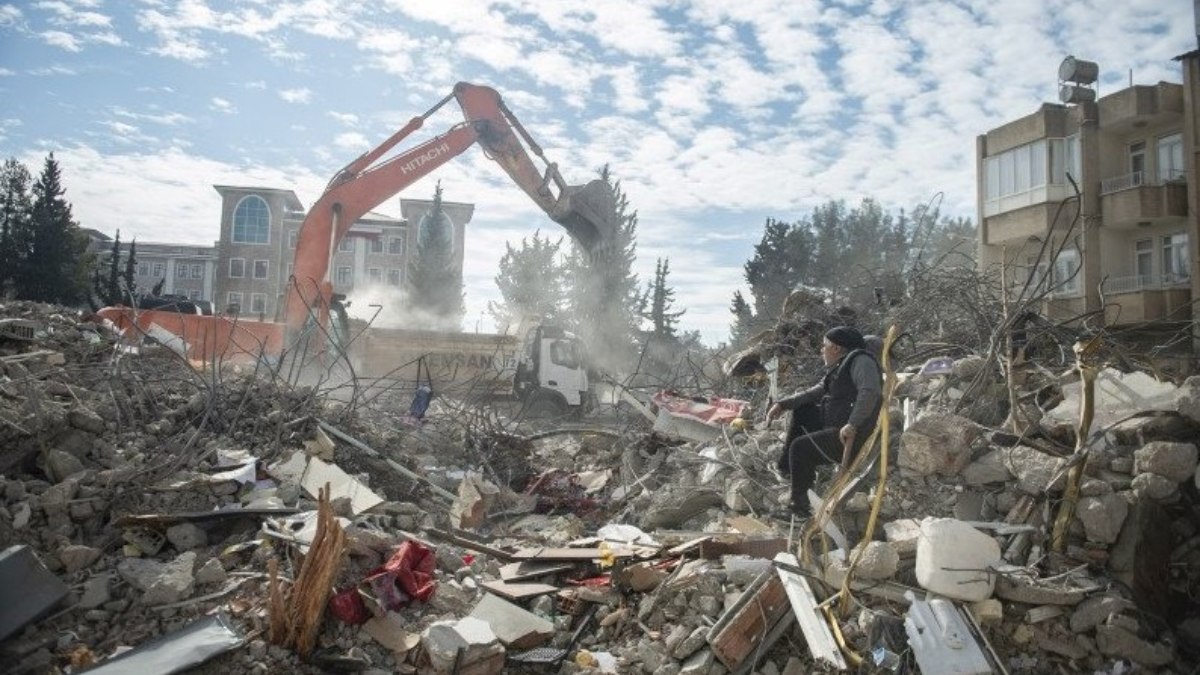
585,211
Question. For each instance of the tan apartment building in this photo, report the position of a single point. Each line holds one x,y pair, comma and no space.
259,231
1129,244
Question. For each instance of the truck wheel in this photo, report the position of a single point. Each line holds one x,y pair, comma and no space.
542,408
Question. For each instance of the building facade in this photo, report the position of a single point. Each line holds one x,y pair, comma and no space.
188,271
258,235
1127,249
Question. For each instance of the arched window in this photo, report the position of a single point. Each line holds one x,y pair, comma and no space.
252,221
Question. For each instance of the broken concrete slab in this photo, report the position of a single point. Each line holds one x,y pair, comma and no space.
161,583
1175,461
466,646
937,444
1119,643
992,467
186,536
903,535
1103,516
1016,584
1153,486
27,589
1036,471
1116,394
515,627
955,559
877,561
1095,610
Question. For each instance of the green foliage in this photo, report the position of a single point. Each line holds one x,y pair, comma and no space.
660,299
437,285
859,256
16,223
604,296
128,277
55,265
108,287
532,282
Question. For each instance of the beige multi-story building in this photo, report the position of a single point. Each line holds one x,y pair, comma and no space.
183,270
1126,251
259,231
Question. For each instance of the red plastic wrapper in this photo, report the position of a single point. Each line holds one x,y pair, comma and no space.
406,576
348,606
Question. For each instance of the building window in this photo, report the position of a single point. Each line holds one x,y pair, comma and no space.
374,275
197,271
194,295
261,269
258,303
252,221
237,268
160,270
233,302
346,245
394,277
1143,262
1066,273
396,246
377,245
1137,161
293,236
1175,258
345,276
181,271
143,269
1170,158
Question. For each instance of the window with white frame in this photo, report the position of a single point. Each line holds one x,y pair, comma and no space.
194,295
1170,158
1030,167
233,302
258,303
394,277
252,221
374,275
346,245
237,268
1175,265
261,269
1066,272
377,245
160,270
181,271
1137,162
396,246
197,271
1143,262
345,276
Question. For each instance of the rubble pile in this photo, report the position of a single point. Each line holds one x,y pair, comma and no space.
158,517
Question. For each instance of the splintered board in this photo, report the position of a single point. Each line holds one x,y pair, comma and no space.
746,624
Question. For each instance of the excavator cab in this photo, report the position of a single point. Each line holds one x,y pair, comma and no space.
586,211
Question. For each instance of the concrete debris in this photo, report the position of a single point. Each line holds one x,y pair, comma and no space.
149,501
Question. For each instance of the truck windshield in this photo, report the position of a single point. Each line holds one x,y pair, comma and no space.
562,353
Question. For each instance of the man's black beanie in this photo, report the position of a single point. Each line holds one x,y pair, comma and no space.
845,336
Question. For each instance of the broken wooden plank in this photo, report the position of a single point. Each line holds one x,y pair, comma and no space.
470,545
521,591
740,631
546,553
821,642
687,546
532,569
749,526
755,548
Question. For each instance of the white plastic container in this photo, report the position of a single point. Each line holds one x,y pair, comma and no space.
955,560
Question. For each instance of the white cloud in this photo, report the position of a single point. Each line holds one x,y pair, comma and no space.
297,95
347,119
57,38
351,141
222,105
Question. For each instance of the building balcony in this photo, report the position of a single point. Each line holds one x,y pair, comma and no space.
1138,299
1127,201
1140,106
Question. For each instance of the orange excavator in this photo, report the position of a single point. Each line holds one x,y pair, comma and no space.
584,211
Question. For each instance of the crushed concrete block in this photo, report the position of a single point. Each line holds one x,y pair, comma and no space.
87,420
903,535
1116,394
95,592
75,558
1036,471
186,536
211,572
1154,486
1096,610
698,663
877,561
1118,643
62,465
1176,461
514,626
161,583
690,644
990,468
988,611
1016,584
1188,401
937,444
482,651
1094,487
1102,516
955,559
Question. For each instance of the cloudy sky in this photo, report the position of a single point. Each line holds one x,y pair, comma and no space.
714,114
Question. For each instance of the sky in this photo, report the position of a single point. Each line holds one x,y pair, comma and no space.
714,115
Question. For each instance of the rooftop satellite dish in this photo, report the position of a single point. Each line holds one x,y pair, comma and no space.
1078,71
1069,93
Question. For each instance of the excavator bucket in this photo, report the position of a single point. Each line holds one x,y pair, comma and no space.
588,212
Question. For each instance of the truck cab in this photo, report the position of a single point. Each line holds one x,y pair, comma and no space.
552,374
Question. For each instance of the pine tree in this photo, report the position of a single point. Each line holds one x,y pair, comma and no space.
532,282
57,265
661,298
776,268
743,319
437,285
16,225
130,274
108,288
604,296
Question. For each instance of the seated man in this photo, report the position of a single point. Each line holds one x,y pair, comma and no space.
832,419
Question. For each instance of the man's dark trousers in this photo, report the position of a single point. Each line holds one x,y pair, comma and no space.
809,446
